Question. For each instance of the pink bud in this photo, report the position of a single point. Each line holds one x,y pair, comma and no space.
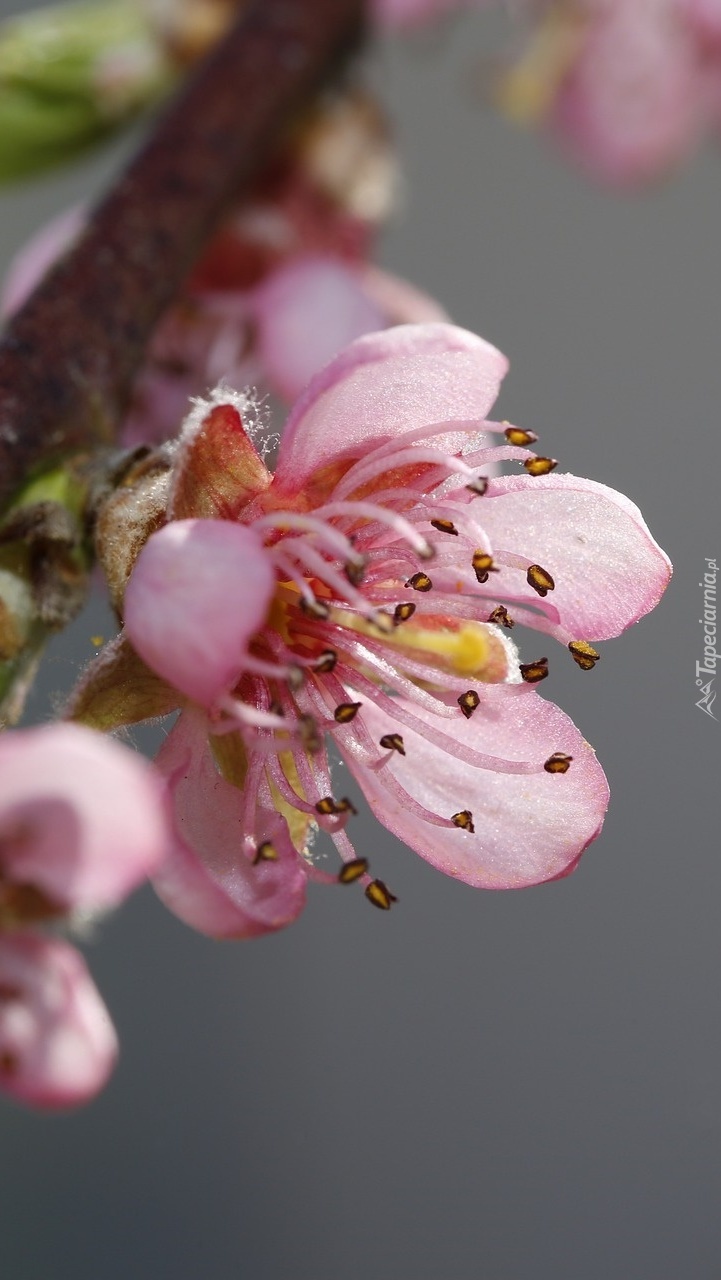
199,591
57,1043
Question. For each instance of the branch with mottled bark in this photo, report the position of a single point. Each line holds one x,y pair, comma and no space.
69,357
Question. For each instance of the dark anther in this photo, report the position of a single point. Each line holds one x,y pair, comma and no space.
514,435
326,662
464,820
478,486
314,609
420,582
346,711
532,672
444,526
540,466
276,709
584,654
328,806
403,612
558,763
266,852
393,742
540,579
309,733
355,571
468,703
483,565
352,871
380,895
501,617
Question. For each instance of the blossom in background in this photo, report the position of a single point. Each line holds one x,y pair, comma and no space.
365,594
284,284
82,823
627,86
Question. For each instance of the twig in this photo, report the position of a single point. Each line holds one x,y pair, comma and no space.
68,358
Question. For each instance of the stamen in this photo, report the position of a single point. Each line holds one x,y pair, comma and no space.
266,852
314,609
558,763
584,654
420,582
380,895
501,617
538,466
483,565
515,435
346,712
464,820
533,672
393,742
326,662
540,579
403,612
329,807
479,486
468,703
310,737
445,526
354,570
335,541
371,511
352,871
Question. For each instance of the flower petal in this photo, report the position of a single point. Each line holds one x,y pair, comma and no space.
307,311
208,880
198,592
383,385
82,818
57,1043
528,827
607,569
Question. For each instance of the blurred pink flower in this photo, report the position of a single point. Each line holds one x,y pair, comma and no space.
283,286
82,823
363,593
627,86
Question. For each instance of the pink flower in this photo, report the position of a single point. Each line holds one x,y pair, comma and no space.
627,86
82,823
364,594
57,1043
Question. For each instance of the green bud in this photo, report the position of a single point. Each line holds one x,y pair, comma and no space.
71,75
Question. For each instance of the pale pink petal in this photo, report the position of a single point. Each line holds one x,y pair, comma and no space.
57,1043
39,254
399,301
82,818
593,541
381,386
209,881
528,827
199,590
633,102
306,312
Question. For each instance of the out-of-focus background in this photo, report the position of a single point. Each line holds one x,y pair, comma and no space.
508,1086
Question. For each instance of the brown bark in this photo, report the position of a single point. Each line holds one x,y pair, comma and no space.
68,358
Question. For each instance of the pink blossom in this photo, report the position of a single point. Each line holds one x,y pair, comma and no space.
82,823
57,1043
627,86
397,568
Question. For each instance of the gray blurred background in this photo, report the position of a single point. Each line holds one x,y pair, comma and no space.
513,1087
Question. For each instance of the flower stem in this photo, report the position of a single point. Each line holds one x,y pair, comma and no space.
69,356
